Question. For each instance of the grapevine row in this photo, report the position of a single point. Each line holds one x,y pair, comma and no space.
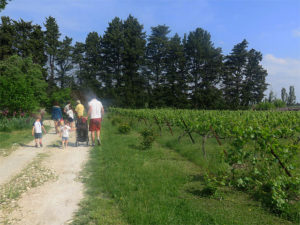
262,148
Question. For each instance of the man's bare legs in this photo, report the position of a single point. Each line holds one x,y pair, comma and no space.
98,137
93,137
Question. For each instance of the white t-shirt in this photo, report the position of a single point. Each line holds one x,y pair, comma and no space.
65,130
67,107
70,113
96,108
38,127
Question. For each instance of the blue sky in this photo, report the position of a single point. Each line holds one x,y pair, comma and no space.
270,26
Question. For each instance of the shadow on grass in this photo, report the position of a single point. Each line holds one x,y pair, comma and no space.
197,177
135,146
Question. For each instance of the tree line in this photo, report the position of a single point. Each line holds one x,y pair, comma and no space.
126,67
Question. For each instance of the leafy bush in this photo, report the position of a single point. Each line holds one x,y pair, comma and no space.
265,106
116,120
124,128
279,103
148,138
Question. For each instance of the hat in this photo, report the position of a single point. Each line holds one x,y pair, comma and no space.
78,101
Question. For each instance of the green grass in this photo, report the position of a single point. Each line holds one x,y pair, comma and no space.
125,185
15,138
9,141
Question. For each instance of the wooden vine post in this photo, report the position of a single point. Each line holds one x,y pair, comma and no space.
187,130
204,137
217,138
170,129
281,163
156,120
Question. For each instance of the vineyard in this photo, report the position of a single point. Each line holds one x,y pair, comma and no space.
258,151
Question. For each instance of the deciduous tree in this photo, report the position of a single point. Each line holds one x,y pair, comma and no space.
292,96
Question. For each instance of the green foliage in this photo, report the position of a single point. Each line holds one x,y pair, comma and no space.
262,150
61,96
3,3
292,96
22,38
126,70
112,44
148,137
64,62
244,78
22,87
276,103
92,62
116,120
204,64
11,124
264,106
124,128
156,56
284,95
279,103
151,187
133,58
51,43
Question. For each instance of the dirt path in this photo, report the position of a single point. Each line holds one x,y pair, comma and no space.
17,160
54,202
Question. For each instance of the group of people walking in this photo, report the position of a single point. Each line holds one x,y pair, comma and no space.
64,127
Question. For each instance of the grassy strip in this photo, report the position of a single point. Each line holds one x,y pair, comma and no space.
10,140
157,186
96,207
213,162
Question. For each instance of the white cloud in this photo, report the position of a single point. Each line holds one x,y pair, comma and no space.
296,32
282,72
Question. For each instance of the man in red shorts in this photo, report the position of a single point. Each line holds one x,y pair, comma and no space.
96,111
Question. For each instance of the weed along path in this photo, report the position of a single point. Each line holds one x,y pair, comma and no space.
45,182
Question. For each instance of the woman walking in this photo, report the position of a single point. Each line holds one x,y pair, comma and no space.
56,116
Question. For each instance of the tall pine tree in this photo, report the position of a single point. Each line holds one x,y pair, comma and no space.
112,47
133,57
176,86
64,63
7,37
78,62
204,66
254,83
156,55
233,76
52,43
92,62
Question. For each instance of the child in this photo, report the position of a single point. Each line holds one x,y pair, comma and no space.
37,131
70,114
65,129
